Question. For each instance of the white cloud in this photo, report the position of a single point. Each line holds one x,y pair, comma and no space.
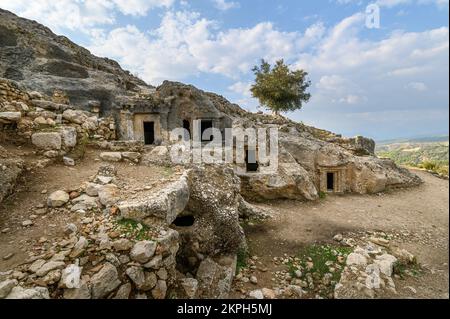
393,3
140,7
418,86
442,4
225,5
333,83
186,44
352,99
242,88
80,15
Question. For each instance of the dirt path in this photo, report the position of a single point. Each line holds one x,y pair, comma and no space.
420,216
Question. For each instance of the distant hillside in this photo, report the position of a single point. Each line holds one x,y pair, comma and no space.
422,152
420,139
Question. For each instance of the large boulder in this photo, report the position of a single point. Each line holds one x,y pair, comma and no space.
163,206
143,251
214,280
108,194
105,281
6,287
69,136
47,140
214,207
111,156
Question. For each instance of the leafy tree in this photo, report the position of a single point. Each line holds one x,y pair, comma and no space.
280,89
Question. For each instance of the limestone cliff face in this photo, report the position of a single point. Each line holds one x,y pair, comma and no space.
35,57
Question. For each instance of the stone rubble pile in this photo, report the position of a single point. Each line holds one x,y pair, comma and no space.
369,270
51,124
97,261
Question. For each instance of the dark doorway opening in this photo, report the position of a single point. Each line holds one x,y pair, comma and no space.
206,124
330,182
250,161
187,127
184,221
149,133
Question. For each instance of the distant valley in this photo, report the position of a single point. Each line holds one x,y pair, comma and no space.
430,153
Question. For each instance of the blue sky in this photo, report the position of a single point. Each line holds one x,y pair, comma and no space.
384,82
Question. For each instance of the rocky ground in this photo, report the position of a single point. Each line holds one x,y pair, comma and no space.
28,204
415,220
389,245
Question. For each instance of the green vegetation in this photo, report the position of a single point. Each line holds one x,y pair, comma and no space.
80,149
242,258
322,195
280,89
432,156
168,171
439,168
317,261
404,269
133,229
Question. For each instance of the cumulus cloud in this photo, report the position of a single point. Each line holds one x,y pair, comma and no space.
186,44
225,5
81,15
393,3
242,88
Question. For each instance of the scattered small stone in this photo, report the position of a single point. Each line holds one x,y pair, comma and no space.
256,294
412,289
70,229
8,256
68,161
27,223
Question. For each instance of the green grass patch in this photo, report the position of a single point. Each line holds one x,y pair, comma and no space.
322,195
133,229
316,261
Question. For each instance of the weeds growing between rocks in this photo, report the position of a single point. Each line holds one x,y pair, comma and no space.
133,230
242,259
319,267
403,269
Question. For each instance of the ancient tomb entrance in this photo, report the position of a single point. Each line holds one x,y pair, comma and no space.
333,179
146,128
330,182
206,124
251,162
149,133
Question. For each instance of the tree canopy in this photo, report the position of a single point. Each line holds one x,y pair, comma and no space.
280,89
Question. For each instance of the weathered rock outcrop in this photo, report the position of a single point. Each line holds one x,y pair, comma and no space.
41,61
